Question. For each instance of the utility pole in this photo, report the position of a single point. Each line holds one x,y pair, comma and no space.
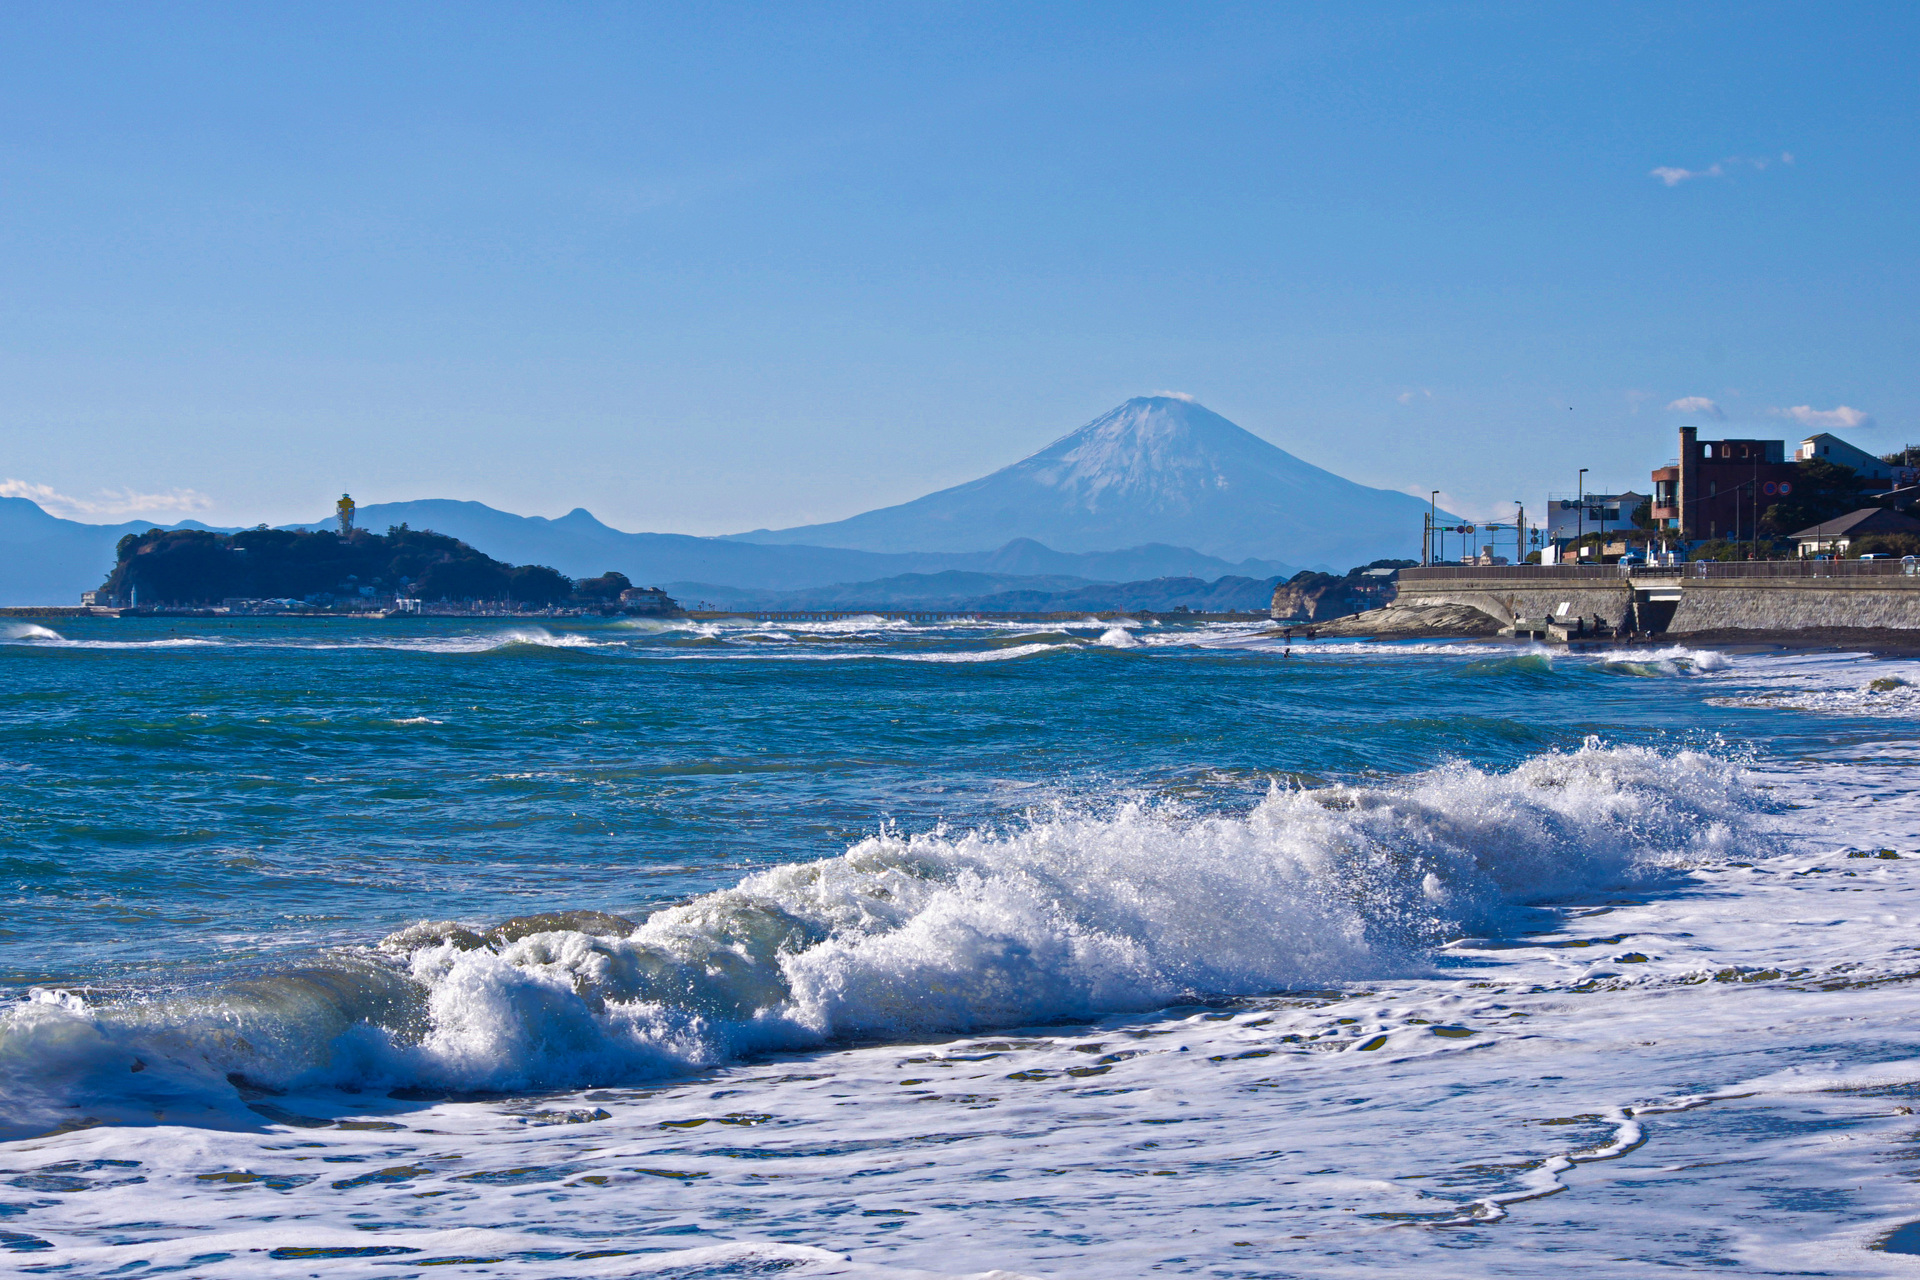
1520,533
1580,516
1433,511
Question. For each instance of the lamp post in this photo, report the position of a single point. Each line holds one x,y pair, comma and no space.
1433,514
1580,514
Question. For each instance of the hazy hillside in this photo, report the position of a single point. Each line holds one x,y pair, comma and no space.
577,544
998,593
48,560
1156,469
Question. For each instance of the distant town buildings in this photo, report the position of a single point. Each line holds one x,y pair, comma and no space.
1835,537
1720,488
1723,489
1570,516
1877,472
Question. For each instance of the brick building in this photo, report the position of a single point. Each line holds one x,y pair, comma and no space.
1720,488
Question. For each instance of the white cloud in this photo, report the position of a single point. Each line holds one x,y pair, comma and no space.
1174,395
1840,416
1700,405
1674,176
105,502
1408,397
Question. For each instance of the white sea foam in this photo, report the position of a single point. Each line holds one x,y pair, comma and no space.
1069,916
27,632
1672,660
1701,1071
981,655
485,642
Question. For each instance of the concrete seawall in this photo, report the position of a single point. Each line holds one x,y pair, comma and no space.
1679,604
1795,604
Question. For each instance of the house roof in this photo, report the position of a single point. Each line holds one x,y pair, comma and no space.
1865,520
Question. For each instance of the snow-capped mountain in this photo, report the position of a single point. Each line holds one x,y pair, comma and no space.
1156,469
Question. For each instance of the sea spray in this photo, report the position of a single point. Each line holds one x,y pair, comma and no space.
1067,916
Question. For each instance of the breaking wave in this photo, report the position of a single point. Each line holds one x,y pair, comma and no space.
1673,660
30,633
1070,915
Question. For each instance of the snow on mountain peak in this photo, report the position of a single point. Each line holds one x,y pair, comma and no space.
1160,468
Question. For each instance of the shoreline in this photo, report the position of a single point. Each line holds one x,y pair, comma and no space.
1880,642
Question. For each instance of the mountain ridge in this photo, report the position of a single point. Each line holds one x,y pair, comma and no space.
1157,468
45,559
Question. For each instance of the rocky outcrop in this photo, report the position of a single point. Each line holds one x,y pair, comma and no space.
1316,597
1406,621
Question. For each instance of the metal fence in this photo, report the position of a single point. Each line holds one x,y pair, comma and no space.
1803,568
1528,572
1696,569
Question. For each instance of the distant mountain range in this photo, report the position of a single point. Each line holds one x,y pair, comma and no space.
1157,469
999,593
48,560
1158,489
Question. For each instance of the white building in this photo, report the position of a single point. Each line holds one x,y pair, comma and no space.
1568,516
1831,448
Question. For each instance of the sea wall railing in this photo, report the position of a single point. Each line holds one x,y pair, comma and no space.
1525,572
1710,569
1907,568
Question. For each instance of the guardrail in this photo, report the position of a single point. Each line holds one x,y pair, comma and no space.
1529,572
1803,569
1710,569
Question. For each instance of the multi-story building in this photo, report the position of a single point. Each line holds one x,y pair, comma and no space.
1571,515
1720,488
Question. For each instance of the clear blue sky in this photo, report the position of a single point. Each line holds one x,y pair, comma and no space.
706,268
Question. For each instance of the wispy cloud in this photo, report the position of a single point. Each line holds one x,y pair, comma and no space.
1700,405
1408,397
1674,176
1175,395
105,502
1839,416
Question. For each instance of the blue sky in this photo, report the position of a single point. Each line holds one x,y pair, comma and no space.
708,268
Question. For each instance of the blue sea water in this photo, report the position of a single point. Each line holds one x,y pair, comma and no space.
252,866
191,793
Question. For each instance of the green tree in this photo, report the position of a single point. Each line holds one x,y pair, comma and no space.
604,589
1822,490
538,585
1886,544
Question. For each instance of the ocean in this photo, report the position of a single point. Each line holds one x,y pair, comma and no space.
450,948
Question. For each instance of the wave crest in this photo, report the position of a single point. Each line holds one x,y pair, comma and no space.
1070,915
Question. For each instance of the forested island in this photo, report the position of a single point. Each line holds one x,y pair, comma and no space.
164,568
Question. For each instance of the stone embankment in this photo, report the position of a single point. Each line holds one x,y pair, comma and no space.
1723,599
1733,604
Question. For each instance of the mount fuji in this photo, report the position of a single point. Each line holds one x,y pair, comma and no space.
1159,469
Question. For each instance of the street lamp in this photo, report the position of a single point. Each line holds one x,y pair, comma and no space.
1433,514
1580,516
